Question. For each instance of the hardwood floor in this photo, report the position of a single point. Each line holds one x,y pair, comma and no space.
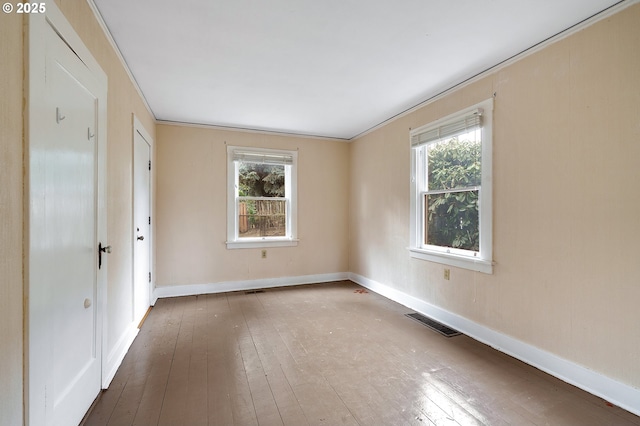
326,354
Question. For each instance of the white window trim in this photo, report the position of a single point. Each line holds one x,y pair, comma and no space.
483,260
233,242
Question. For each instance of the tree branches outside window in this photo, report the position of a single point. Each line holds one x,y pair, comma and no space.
454,178
261,180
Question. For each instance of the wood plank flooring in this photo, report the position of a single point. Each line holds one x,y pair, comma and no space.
325,354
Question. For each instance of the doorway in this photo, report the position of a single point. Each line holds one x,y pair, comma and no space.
142,286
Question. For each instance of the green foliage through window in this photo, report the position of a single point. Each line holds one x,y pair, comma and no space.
261,180
453,181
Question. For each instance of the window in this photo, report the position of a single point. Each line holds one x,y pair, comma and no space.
261,197
451,219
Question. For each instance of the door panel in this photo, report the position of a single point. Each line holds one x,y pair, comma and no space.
142,228
72,180
63,240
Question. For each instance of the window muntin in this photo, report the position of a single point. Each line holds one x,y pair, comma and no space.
451,190
262,197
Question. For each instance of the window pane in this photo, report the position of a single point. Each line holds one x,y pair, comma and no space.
453,220
261,180
262,218
454,163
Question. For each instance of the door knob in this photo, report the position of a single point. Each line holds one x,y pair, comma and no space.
141,237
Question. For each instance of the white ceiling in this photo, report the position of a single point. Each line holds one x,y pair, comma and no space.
332,68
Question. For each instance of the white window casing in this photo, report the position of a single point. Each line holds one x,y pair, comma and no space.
289,159
479,115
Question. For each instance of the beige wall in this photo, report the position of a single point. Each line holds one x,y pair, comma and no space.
11,181
566,202
192,209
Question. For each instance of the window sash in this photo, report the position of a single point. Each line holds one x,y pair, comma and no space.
444,191
443,133
243,197
425,222
286,199
286,214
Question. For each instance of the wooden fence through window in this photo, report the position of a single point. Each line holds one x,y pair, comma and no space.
262,218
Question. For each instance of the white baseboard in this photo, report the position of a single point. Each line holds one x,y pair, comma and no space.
117,354
620,394
227,286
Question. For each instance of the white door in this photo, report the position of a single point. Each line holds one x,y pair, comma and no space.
65,345
142,226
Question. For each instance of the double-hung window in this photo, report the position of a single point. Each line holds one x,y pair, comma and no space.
261,197
451,219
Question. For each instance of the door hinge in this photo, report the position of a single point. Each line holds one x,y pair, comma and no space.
59,116
149,220
149,164
149,276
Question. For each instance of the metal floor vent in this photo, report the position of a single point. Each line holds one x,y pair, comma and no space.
253,291
434,325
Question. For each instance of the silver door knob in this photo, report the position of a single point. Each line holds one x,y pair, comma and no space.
87,303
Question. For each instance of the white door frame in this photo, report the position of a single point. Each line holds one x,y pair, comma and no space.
35,133
139,128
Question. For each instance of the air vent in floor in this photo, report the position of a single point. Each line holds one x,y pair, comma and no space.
253,291
434,325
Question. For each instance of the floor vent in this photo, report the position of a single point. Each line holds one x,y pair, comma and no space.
434,325
253,291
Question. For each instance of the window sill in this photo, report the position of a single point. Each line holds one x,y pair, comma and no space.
473,264
261,243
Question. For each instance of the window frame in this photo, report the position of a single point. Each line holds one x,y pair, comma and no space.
481,261
291,178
